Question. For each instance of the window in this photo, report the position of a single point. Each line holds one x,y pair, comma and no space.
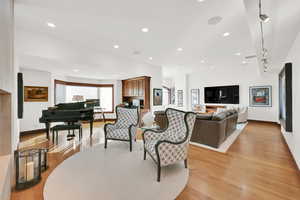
106,98
79,91
68,92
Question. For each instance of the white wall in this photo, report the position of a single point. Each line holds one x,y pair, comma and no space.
168,82
244,76
33,110
7,84
8,63
15,119
293,139
6,45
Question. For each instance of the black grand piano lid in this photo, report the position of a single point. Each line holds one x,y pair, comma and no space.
71,106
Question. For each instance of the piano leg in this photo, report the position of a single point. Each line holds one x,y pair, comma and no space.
47,129
91,128
103,116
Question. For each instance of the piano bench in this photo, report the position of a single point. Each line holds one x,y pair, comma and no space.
66,127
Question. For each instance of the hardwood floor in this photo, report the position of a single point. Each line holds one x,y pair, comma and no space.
257,166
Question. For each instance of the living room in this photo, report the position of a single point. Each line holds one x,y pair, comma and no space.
210,112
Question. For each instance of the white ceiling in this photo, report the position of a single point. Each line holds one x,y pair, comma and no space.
280,33
87,30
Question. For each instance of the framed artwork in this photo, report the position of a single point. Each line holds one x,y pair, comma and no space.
35,94
195,97
180,98
157,96
260,96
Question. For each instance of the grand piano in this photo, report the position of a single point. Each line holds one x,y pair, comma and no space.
68,113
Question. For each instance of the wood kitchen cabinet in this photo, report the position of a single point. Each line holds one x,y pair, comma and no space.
137,89
141,85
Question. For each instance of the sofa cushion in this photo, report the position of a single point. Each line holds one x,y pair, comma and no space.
230,112
219,116
206,116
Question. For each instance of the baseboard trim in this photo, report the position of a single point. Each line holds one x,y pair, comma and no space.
35,131
253,120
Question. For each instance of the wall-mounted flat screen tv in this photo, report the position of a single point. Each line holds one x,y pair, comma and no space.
222,94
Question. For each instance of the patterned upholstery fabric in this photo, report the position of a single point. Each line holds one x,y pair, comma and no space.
127,121
121,133
172,143
126,117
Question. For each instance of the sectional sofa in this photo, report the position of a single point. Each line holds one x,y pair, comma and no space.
211,129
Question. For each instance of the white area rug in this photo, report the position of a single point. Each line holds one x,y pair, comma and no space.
228,142
114,174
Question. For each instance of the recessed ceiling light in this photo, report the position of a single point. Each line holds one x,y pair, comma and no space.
116,46
150,58
179,49
244,62
76,70
238,54
145,30
202,61
200,0
226,34
51,25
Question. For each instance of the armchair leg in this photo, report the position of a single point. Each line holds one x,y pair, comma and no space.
158,172
105,143
145,153
185,163
130,145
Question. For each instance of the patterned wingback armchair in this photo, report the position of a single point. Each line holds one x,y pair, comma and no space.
124,129
170,145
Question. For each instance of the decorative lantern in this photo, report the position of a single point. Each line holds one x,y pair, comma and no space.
44,159
29,165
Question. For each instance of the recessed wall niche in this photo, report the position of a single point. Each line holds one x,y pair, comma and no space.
5,123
